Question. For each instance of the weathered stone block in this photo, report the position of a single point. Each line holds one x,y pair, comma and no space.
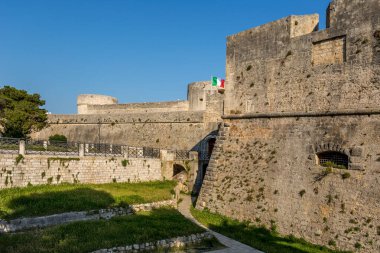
355,166
357,151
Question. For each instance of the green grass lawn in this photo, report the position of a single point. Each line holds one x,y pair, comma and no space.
88,236
257,237
51,199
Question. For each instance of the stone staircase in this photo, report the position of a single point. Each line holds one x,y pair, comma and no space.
212,169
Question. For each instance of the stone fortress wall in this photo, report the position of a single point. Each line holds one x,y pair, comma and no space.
44,167
293,93
39,169
169,125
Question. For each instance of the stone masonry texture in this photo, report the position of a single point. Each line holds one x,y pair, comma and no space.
289,97
169,125
37,169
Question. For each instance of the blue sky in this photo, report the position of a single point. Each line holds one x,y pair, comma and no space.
135,50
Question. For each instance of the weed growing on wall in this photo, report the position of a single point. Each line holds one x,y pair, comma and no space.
125,163
62,161
346,175
19,159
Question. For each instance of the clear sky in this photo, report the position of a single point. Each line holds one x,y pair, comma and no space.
135,50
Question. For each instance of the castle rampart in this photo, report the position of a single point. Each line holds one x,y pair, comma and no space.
172,125
299,146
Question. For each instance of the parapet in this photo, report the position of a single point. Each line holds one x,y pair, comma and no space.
269,40
84,100
346,14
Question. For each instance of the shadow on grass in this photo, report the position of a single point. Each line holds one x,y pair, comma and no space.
269,241
39,204
258,237
87,236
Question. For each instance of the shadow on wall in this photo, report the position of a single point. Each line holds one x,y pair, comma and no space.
204,149
39,204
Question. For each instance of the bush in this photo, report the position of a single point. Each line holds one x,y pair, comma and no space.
57,138
346,175
125,163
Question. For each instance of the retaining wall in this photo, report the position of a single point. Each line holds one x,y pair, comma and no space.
40,169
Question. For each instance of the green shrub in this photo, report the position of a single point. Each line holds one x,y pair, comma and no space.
301,193
346,175
125,163
57,138
330,164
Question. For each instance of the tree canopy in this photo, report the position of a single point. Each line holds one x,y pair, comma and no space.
20,112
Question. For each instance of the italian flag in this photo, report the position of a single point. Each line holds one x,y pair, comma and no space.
217,82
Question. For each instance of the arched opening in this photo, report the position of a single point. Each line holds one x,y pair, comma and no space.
333,159
179,172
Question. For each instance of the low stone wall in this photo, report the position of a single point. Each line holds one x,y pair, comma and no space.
40,169
177,242
56,219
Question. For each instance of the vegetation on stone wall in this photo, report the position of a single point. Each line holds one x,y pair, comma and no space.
125,163
20,112
19,159
62,160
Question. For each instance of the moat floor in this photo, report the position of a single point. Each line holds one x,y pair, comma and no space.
232,245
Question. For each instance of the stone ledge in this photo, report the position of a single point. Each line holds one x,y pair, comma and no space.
176,242
303,114
56,219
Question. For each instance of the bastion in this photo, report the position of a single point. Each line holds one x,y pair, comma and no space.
299,147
